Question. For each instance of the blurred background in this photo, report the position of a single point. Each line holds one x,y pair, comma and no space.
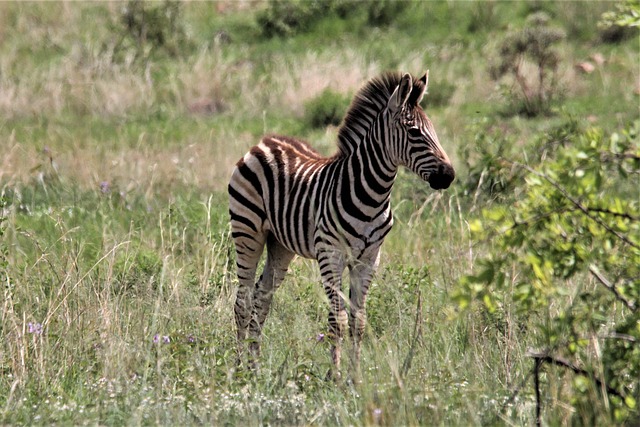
130,92
120,124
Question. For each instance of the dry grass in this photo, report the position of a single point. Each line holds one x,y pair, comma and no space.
297,81
204,165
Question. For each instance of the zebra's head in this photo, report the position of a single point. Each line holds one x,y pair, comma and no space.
414,140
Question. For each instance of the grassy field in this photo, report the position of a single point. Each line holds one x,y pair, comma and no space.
115,254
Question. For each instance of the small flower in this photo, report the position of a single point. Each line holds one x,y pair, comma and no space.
191,338
35,328
320,337
105,187
165,339
156,339
377,414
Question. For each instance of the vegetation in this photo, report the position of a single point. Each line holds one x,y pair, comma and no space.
510,298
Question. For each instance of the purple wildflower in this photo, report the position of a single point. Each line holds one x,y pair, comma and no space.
320,337
156,339
191,338
35,328
105,187
377,414
165,339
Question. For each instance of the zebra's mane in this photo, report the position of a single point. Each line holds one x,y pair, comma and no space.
366,105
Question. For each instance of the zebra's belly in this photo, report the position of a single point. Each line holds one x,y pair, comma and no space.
297,238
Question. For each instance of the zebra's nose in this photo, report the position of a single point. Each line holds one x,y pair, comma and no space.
443,177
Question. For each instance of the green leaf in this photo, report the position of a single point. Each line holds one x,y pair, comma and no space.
475,226
488,302
630,402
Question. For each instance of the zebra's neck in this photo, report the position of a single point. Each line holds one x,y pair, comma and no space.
371,174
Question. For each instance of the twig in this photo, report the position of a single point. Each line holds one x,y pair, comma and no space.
545,357
417,332
623,337
579,205
603,280
536,384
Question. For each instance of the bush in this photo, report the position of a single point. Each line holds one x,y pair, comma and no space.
286,18
152,27
384,12
621,24
439,94
327,109
567,258
533,44
489,174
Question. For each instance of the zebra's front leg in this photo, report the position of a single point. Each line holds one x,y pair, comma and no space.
360,276
331,268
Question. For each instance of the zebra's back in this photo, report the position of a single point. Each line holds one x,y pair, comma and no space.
272,191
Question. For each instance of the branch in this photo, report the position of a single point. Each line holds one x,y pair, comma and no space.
417,333
579,205
545,357
618,214
603,280
623,337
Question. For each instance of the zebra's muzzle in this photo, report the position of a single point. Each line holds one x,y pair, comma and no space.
443,177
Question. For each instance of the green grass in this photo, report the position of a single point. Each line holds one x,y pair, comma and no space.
116,229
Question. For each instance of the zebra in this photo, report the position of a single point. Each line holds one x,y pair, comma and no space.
285,195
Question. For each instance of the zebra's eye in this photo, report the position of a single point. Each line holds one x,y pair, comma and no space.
415,132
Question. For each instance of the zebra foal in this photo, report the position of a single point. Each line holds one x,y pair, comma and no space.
285,195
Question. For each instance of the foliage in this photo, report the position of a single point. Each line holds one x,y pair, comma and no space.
535,43
286,18
384,12
146,28
567,256
619,24
489,159
326,109
439,94
489,174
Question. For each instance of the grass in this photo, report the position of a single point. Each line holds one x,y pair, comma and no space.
116,229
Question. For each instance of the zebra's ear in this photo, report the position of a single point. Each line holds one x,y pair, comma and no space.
422,88
400,96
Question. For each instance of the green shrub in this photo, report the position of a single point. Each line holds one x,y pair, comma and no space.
286,18
439,94
534,44
137,272
147,27
384,12
327,109
489,175
621,24
566,256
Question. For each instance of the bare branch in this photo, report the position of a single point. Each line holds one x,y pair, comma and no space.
579,205
546,357
611,287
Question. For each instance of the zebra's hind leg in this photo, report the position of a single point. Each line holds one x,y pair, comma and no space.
249,247
275,269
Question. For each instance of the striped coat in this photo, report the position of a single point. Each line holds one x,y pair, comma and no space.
286,196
